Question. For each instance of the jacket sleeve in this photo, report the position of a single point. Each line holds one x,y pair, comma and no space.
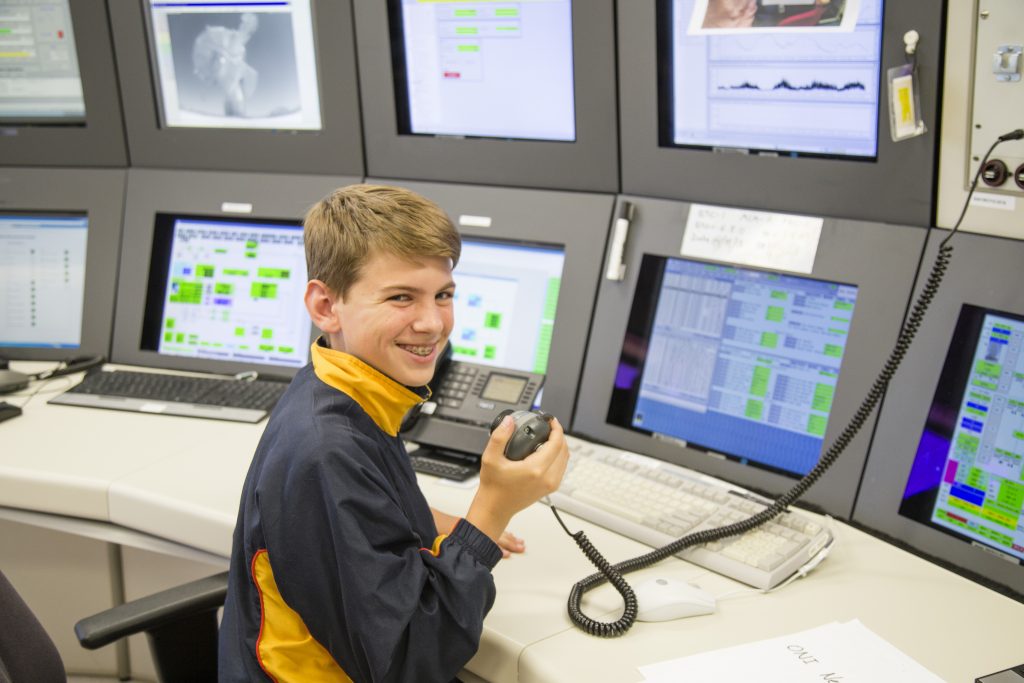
347,559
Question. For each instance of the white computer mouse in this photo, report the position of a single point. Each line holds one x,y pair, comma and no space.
664,599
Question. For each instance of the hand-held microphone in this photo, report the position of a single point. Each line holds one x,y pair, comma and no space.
532,429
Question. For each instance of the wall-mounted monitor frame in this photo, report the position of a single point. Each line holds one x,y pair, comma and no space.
98,194
588,164
334,149
100,140
880,260
577,222
897,188
234,196
984,272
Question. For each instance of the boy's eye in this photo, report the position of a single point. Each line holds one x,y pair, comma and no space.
445,296
400,297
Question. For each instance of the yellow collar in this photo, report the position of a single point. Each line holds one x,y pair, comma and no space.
384,400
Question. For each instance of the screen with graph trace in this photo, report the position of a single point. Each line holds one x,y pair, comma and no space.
225,289
506,295
967,478
774,86
742,364
484,69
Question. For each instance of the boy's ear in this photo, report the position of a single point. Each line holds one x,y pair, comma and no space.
320,305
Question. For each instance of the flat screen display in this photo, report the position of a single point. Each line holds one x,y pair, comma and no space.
967,478
506,297
39,76
42,280
739,363
484,69
788,79
234,64
227,290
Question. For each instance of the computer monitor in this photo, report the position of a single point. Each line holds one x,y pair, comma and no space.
501,93
59,235
756,113
734,362
745,373
214,271
261,85
42,279
59,102
944,474
227,289
525,287
506,303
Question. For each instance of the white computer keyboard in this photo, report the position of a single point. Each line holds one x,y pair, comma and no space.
655,502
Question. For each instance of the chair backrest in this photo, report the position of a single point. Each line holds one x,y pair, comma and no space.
27,653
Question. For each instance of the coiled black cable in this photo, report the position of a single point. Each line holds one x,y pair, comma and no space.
613,573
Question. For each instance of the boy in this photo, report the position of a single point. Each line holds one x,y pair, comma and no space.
337,568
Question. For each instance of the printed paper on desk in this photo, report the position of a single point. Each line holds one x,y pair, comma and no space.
777,241
833,653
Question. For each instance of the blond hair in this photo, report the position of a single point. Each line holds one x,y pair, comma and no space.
343,229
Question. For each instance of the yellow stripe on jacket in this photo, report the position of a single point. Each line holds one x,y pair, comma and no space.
285,648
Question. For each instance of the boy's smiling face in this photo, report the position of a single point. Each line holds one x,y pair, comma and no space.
397,316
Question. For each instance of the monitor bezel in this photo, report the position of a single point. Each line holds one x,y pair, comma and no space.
335,149
910,396
99,195
900,183
588,164
881,260
198,193
100,140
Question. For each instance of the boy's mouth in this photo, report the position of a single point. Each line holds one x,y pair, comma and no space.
418,350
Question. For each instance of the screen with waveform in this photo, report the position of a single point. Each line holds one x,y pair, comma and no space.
808,92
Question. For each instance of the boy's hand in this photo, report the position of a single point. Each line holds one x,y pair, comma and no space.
508,486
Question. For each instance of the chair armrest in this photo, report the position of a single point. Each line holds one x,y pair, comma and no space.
152,611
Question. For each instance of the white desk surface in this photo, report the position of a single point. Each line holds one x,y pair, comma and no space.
179,479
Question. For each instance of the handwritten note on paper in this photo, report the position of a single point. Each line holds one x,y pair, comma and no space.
833,653
755,238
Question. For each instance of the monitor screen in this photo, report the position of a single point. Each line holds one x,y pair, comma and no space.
228,290
967,478
484,69
793,79
39,77
506,296
738,363
234,64
42,280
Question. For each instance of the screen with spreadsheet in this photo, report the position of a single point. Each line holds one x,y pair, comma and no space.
793,79
738,363
484,69
224,289
506,297
967,478
42,280
39,75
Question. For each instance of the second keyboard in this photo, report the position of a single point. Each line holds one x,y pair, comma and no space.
655,502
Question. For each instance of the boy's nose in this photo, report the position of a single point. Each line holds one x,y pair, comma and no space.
431,319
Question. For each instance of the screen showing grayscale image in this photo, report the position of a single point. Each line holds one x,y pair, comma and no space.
235,65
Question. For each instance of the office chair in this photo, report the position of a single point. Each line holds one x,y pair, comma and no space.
26,651
180,624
